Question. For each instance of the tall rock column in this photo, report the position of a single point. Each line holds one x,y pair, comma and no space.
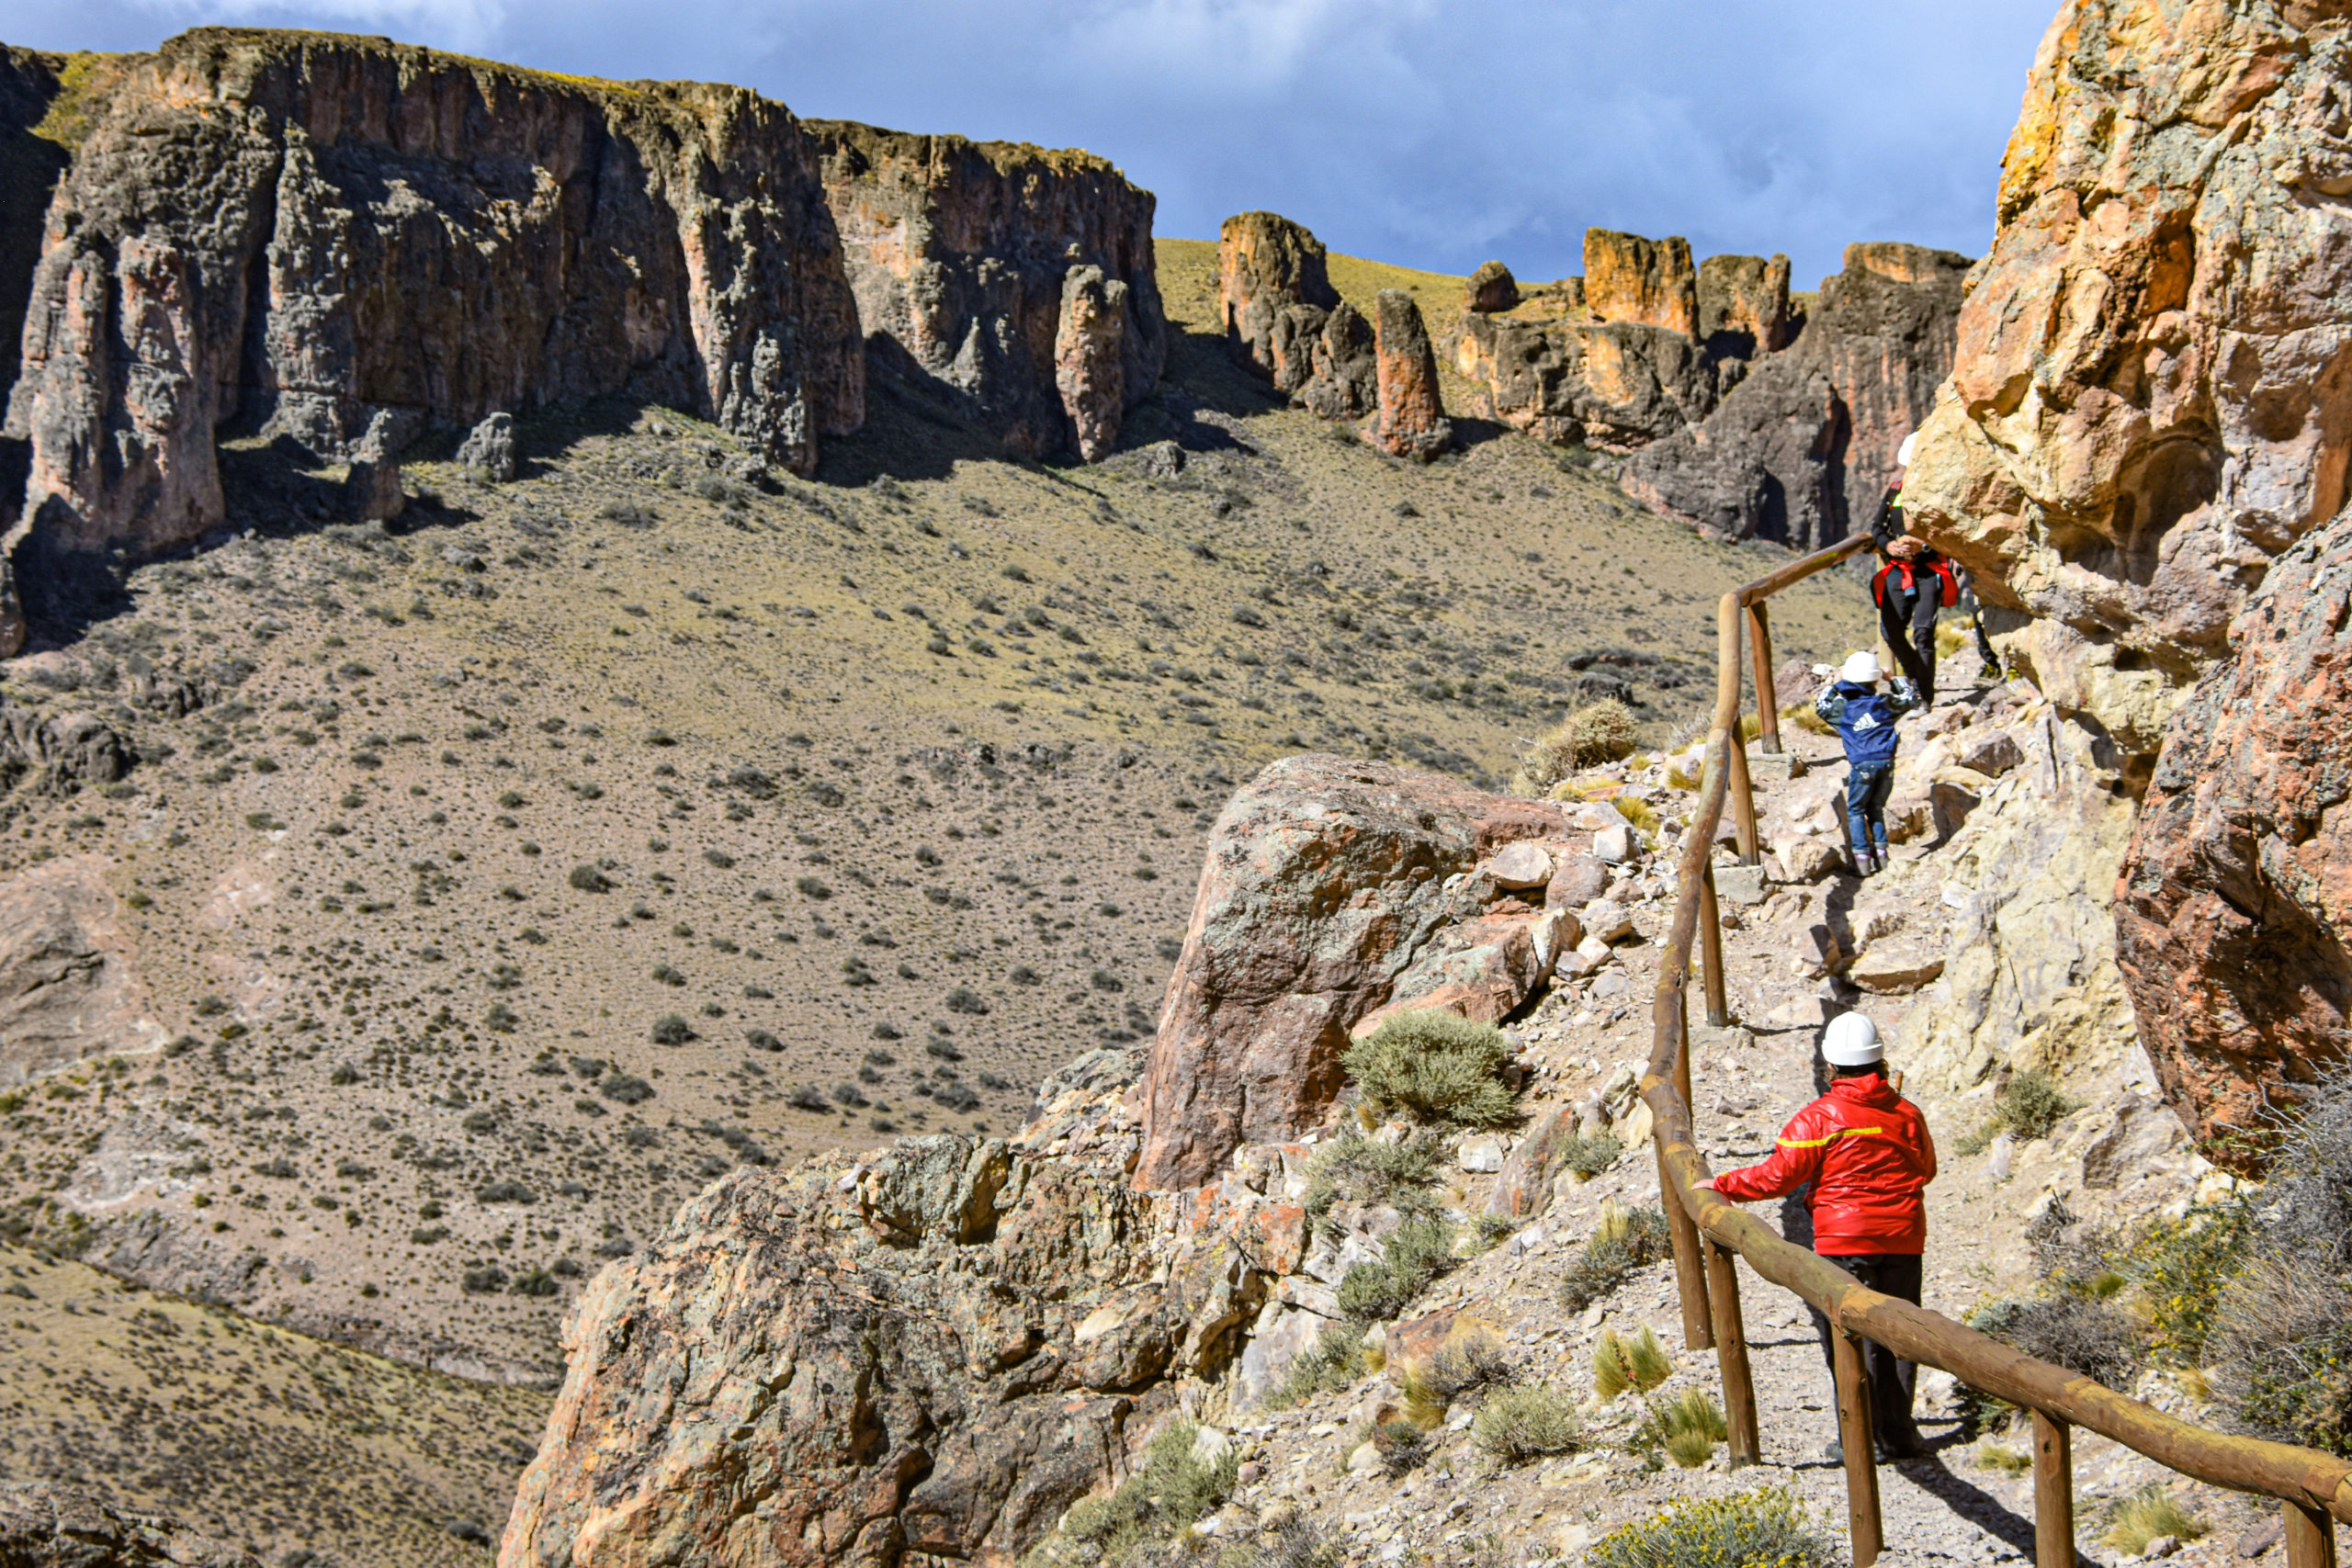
1087,365
1744,305
1650,282
1411,420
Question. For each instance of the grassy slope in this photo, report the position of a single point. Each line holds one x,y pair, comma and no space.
250,1432
438,726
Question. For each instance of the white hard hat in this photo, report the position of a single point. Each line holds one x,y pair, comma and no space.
1903,453
1852,1041
1860,669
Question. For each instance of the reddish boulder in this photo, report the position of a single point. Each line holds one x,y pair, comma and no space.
1325,885
2234,909
1411,421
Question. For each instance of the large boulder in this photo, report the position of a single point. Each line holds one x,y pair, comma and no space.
1410,420
1649,282
935,1350
43,1526
1333,889
1273,293
2150,398
1491,287
1015,283
2234,903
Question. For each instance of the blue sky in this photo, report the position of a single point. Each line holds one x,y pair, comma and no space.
1428,134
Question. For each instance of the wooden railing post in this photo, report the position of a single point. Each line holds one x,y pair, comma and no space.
1731,1353
1690,1265
2053,1491
1710,951
1865,1535
2311,1536
1742,798
1768,699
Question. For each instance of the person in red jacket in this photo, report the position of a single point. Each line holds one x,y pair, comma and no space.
1864,1155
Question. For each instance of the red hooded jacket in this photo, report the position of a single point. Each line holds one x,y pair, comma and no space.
1867,1153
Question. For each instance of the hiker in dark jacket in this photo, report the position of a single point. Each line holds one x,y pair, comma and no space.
1914,583
1864,717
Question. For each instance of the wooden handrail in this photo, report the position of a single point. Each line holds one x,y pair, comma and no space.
2314,1488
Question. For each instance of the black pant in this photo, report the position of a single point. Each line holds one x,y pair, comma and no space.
1891,1274
1907,618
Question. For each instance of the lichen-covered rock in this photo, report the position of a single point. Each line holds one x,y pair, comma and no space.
2234,903
1803,447
1410,420
1274,290
43,1526
961,254
234,231
1652,282
2150,398
30,166
1324,887
935,1350
1744,305
1491,288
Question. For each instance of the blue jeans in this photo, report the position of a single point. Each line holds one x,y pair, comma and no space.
1867,784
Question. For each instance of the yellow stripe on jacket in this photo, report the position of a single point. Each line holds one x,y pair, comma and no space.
1841,1133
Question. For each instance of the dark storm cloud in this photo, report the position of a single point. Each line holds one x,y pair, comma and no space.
1427,134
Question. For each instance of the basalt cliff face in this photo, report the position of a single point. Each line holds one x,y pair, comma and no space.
968,261
2146,434
344,242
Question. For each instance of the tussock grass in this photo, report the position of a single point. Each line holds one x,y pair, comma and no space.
2134,1520
1623,1241
1588,737
1618,1363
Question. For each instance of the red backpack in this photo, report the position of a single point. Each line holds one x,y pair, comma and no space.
1926,561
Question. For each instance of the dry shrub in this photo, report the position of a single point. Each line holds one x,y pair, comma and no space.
2082,1334
2281,1356
1623,1242
1764,1528
1588,737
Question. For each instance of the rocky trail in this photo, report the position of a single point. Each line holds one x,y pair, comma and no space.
1969,1499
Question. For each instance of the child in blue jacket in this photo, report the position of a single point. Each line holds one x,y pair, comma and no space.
1864,718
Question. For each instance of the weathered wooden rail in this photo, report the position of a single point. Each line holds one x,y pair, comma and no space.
1710,1235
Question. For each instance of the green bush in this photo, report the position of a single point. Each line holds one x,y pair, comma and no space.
2282,1355
1588,1157
1367,1172
2029,1107
2181,1268
1416,1252
1622,1243
1437,1064
2082,1334
1764,1528
1526,1421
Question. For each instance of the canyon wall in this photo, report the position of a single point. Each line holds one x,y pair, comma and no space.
344,242
2143,444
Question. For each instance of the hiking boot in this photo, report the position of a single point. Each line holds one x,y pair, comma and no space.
1866,865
